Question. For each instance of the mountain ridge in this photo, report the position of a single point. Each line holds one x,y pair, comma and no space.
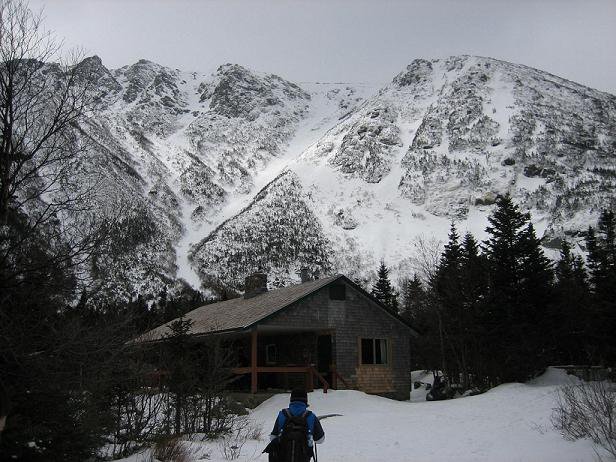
374,168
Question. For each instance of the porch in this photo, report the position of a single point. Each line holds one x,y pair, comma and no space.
287,358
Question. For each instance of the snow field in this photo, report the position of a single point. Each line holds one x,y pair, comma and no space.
508,423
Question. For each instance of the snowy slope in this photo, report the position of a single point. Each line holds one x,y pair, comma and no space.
509,423
222,172
180,152
439,144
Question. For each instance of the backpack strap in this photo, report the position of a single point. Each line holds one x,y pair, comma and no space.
287,417
305,416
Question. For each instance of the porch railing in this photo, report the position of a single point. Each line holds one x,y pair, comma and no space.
337,377
309,371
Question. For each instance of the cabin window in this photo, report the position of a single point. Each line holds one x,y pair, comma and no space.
271,354
337,292
373,351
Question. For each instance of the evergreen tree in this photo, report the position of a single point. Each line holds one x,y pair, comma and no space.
446,280
519,288
419,310
383,290
446,288
564,267
474,273
605,274
414,309
607,230
601,247
503,247
537,278
570,314
180,363
473,290
535,269
413,300
594,258
453,251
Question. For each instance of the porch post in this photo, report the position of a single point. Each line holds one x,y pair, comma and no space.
309,380
253,361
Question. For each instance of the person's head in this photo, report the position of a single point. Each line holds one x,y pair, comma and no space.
299,394
4,406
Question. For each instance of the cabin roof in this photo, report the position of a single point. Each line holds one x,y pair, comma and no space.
242,313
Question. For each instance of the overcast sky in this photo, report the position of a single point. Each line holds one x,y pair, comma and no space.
343,40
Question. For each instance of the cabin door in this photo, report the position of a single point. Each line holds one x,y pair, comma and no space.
324,356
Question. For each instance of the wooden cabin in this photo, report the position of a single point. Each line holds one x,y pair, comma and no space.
327,333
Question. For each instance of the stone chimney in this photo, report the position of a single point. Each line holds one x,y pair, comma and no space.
304,274
255,284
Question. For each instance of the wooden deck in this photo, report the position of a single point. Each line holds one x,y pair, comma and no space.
310,373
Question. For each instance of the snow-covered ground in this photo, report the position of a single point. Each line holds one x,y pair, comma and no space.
508,423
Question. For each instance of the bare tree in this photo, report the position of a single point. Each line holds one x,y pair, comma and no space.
426,255
41,105
53,360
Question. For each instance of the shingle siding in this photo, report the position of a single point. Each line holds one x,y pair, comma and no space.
352,319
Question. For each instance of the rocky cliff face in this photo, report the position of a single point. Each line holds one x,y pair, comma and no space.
174,149
225,172
440,143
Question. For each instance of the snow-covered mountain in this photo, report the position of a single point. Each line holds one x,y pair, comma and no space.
224,172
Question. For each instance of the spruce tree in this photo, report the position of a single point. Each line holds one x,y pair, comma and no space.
413,300
383,290
474,276
594,258
520,283
601,247
569,315
474,287
607,230
446,287
537,278
503,247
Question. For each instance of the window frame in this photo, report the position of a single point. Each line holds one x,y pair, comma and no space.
343,290
387,351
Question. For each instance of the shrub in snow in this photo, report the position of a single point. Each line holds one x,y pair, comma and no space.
170,450
588,410
244,429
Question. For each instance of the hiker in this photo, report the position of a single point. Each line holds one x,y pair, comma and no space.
295,431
